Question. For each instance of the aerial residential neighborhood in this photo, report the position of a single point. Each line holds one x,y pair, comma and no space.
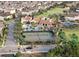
39,29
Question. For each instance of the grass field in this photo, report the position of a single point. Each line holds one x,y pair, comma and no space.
55,10
69,32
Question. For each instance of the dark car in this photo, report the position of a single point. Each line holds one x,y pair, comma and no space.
28,47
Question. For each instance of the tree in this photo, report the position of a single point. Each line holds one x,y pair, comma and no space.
55,18
61,35
6,19
18,32
67,48
74,39
74,44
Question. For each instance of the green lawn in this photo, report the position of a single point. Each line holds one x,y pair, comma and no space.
55,10
69,32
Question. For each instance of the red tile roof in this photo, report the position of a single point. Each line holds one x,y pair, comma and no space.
46,22
40,21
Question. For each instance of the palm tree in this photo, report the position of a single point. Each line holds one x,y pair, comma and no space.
55,18
74,44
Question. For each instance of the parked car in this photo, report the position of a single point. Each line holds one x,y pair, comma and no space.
28,47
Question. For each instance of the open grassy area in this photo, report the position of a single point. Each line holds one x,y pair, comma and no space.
69,32
55,10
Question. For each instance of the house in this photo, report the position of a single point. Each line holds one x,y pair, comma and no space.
12,11
37,20
74,18
46,23
26,19
4,15
36,24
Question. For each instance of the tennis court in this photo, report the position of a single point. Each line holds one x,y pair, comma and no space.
38,36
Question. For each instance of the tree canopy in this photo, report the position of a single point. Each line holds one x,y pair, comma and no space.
67,48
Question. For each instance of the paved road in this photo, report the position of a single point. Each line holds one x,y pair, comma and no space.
10,38
36,49
10,44
8,50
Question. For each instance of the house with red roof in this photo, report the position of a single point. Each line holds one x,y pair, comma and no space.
26,19
37,24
